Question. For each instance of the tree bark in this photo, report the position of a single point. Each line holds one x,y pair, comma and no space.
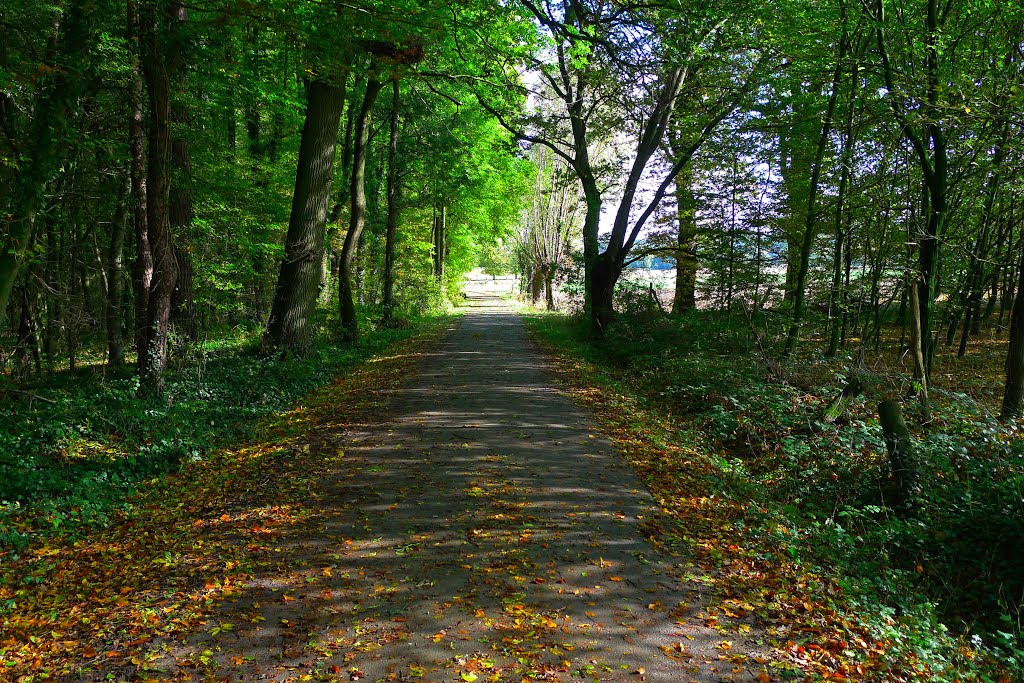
836,314
917,349
51,118
1013,395
299,278
686,245
158,185
810,226
115,286
393,199
183,309
357,217
440,239
142,269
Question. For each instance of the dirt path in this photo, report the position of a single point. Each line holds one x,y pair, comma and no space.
484,532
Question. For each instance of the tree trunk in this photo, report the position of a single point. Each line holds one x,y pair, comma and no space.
605,276
836,315
917,349
182,213
440,241
52,115
549,287
158,210
299,278
392,220
115,285
685,297
357,218
536,285
810,226
1013,396
142,269
902,466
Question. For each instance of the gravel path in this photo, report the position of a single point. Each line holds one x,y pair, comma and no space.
485,531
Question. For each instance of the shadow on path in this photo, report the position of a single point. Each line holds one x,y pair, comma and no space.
483,532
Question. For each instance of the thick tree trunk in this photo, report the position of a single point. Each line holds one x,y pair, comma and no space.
536,285
549,287
902,465
299,278
392,221
591,246
357,218
158,210
605,276
1013,396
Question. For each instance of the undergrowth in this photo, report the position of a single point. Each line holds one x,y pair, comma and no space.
73,447
935,593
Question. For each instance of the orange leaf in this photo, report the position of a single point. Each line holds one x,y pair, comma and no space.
89,652
763,677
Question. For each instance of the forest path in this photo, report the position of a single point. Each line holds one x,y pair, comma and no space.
484,531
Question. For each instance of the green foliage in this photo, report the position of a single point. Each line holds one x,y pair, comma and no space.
950,571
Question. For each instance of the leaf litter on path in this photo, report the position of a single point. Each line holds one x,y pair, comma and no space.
464,523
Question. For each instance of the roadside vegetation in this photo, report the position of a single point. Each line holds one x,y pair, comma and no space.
75,447
767,473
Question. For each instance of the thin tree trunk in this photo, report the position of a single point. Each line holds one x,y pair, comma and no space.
392,221
115,285
917,349
142,269
846,163
53,113
812,198
357,218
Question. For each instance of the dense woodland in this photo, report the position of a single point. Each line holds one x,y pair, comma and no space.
210,207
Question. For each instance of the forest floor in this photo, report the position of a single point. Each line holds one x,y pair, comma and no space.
444,514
